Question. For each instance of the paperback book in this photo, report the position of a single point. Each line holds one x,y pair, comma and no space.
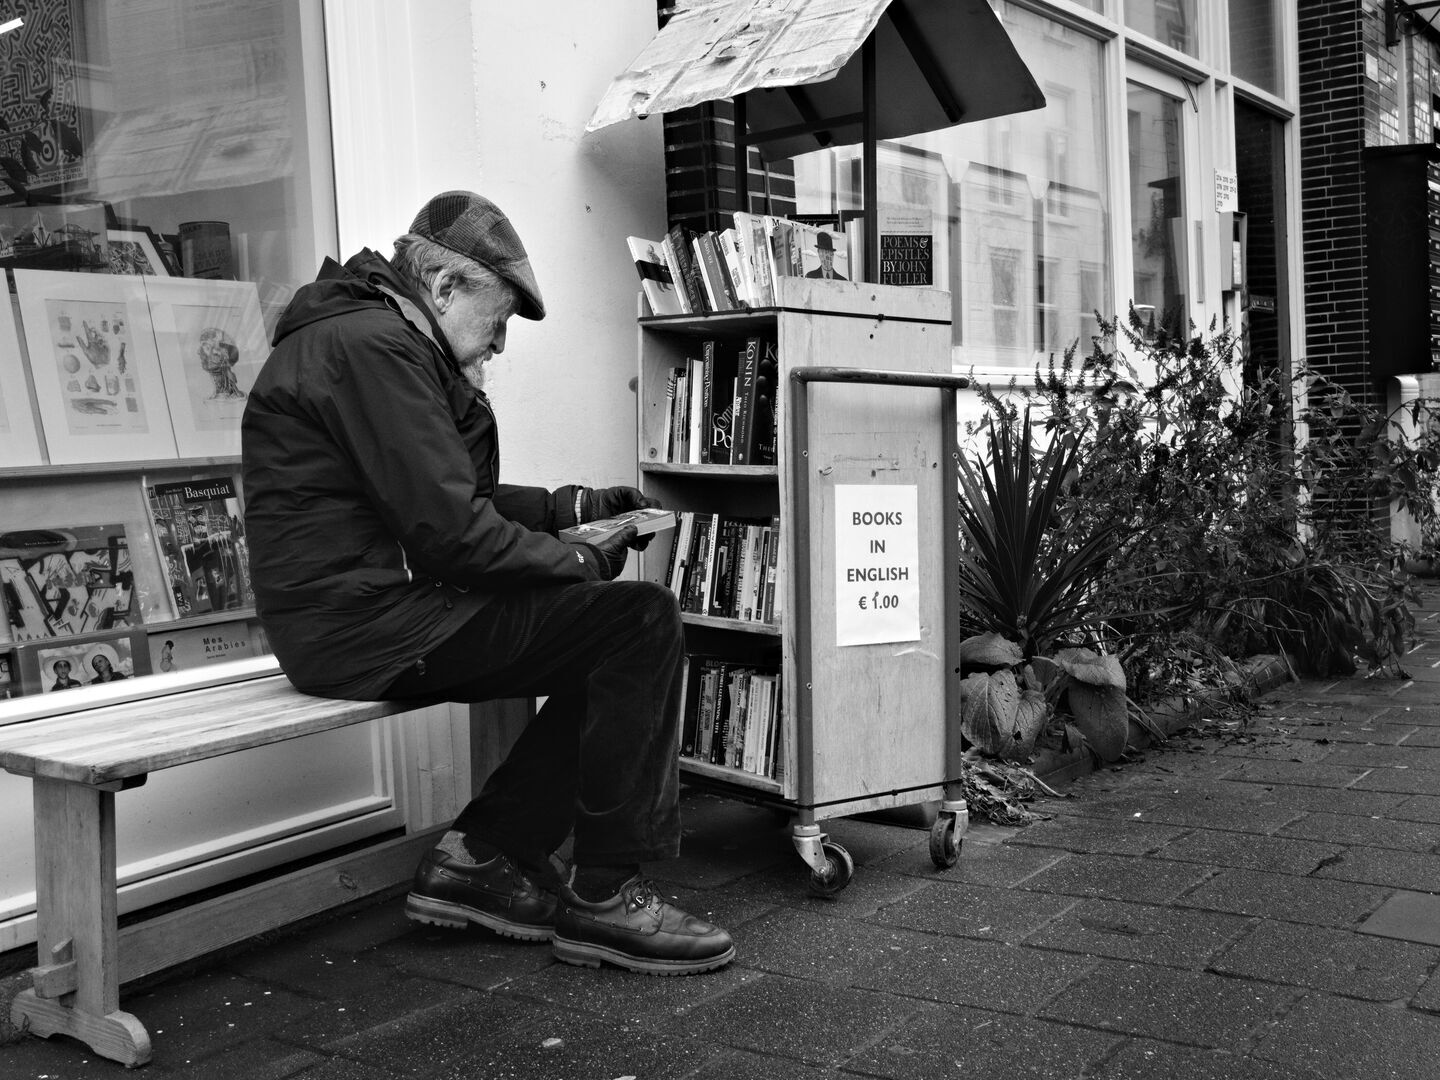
65,581
200,533
646,520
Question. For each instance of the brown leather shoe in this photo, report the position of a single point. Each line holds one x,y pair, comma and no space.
495,894
638,930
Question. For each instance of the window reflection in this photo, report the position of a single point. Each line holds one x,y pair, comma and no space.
1157,210
1015,208
1255,42
1170,22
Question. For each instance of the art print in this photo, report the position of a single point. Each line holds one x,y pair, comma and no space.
91,663
134,251
65,581
211,341
92,356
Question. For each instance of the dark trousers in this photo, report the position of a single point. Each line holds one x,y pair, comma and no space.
601,756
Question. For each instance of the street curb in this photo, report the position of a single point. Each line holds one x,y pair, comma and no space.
1171,715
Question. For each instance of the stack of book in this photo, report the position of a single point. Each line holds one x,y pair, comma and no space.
690,273
731,714
725,566
720,405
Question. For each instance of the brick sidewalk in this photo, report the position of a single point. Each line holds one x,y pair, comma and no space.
1264,907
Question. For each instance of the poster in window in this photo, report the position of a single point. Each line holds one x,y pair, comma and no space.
67,580
42,108
97,377
211,341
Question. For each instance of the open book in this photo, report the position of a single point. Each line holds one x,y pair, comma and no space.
646,521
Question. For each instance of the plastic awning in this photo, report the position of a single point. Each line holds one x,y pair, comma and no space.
801,72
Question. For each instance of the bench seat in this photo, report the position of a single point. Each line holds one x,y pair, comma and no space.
78,760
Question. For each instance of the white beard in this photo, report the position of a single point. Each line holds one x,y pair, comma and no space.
475,374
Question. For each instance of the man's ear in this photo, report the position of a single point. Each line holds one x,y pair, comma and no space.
442,286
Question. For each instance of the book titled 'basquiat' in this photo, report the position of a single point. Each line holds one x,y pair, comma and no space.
200,534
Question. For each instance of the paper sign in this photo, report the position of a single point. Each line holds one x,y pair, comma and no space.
1227,192
877,564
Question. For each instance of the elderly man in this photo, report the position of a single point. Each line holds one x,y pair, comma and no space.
390,562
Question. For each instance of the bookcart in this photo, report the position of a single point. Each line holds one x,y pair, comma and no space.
863,487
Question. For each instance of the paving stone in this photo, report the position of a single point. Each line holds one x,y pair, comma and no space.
626,996
1409,916
869,842
506,1039
1122,836
1174,937
1275,748
1286,772
1117,877
984,974
370,1003
871,888
952,1041
1163,1003
1397,869
1407,756
196,1016
471,957
1406,781
815,1023
1277,854
1246,808
1142,1059
1354,1040
975,911
1296,899
1420,736
811,946
1290,801
1001,865
740,1065
1418,808
254,1059
1429,996
1376,832
1423,715
1339,732
1340,961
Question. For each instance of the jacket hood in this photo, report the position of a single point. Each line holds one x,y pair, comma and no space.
366,280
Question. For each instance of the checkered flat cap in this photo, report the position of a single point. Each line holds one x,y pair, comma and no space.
473,226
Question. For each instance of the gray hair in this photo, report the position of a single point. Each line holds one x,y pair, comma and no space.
421,261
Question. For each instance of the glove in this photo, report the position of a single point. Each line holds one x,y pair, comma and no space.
610,555
600,503
597,503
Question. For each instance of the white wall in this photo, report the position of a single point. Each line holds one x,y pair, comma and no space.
494,97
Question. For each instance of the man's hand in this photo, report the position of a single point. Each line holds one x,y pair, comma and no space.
607,502
610,555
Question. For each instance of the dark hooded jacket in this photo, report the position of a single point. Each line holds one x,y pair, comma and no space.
374,512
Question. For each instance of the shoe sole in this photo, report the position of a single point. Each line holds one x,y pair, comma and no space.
582,954
425,909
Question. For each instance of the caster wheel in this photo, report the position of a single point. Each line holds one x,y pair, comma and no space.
945,841
839,868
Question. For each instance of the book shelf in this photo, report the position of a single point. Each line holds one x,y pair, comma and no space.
866,410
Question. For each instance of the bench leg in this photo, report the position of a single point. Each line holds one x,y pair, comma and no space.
76,988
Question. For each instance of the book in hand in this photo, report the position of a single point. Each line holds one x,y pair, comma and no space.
647,520
656,280
67,580
200,533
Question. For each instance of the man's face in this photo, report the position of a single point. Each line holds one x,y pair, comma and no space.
475,324
827,259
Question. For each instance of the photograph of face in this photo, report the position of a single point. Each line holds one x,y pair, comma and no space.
70,666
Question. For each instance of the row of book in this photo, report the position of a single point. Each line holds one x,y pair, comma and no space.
721,405
732,714
726,566
67,580
690,273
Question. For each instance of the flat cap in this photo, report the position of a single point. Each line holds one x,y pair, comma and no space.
473,226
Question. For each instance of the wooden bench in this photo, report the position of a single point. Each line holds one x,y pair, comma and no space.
78,760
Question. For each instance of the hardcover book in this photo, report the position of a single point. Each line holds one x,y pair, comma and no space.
200,533
65,581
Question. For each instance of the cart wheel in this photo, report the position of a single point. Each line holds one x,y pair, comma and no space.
945,841
839,868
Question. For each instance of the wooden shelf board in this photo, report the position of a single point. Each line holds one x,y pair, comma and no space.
730,776
715,622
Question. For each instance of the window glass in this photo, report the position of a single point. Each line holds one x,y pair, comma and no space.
1255,42
1170,22
1009,215
1157,206
166,162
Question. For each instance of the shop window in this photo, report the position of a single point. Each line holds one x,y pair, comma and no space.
164,188
1157,207
1255,42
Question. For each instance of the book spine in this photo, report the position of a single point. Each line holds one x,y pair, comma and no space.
684,530
709,699
766,406
730,268
737,268
695,412
689,273
772,573
707,402
667,251
742,451
667,434
681,422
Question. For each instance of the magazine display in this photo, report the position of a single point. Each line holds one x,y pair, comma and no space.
66,581
200,534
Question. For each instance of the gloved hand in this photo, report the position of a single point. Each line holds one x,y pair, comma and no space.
610,554
597,503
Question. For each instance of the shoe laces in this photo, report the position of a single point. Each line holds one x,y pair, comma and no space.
644,894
